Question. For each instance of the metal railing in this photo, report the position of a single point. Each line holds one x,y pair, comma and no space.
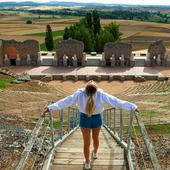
54,128
114,122
68,122
63,123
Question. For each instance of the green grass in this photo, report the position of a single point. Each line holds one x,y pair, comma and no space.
156,129
56,124
43,34
64,22
165,89
4,82
56,41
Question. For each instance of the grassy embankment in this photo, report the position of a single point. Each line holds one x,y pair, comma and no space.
4,82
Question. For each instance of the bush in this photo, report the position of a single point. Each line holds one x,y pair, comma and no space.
28,22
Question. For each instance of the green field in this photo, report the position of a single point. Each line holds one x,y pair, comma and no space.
64,22
56,41
43,34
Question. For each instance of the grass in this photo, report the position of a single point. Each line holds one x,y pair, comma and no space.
43,34
56,124
156,129
4,82
165,89
64,22
43,47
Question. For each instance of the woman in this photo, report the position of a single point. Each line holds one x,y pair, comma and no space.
90,101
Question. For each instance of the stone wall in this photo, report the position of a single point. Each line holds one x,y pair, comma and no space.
26,52
156,53
70,50
118,53
1,53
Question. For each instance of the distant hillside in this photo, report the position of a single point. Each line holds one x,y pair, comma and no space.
56,3
51,3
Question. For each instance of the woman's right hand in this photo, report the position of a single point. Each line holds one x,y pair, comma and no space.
137,110
45,111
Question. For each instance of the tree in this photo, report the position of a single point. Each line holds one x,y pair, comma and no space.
28,22
66,33
102,38
90,32
96,22
49,39
113,28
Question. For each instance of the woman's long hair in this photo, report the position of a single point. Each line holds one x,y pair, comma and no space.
90,91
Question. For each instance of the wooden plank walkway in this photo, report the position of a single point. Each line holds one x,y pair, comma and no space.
69,155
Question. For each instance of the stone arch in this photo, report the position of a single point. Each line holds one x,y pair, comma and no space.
11,52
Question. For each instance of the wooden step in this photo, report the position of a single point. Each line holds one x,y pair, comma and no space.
75,150
69,155
81,167
74,161
79,155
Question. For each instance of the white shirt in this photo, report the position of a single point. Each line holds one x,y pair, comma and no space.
100,98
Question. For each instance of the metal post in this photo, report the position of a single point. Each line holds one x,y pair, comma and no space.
103,118
130,129
107,118
69,119
110,118
121,126
78,117
114,129
73,119
51,128
61,125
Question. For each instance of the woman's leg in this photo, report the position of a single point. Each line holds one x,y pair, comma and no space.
86,139
95,136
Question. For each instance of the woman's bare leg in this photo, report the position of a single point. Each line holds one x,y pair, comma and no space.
95,136
86,139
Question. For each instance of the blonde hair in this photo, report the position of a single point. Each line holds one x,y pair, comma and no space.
90,91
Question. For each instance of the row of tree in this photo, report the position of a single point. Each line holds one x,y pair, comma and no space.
143,15
90,32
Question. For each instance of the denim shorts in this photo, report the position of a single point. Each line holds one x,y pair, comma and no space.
94,121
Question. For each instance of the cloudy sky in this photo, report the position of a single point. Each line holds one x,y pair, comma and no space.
143,2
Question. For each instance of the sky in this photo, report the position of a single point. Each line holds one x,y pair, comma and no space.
142,2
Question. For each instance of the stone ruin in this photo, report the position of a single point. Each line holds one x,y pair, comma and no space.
1,52
18,53
70,53
157,54
117,54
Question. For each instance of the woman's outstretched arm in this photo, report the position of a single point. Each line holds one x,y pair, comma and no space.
117,103
63,103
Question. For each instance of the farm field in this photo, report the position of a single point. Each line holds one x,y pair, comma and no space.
139,33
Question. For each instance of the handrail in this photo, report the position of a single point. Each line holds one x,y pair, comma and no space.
148,143
30,144
71,119
66,127
109,119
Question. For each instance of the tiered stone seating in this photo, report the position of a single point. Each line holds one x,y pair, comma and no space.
156,87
